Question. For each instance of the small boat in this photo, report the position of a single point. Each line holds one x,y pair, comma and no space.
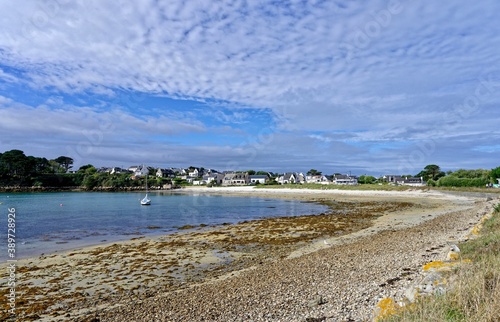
146,201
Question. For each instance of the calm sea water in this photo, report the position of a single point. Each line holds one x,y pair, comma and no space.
51,222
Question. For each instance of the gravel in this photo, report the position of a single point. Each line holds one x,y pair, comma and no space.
339,283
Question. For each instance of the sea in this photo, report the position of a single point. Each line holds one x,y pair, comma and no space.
52,222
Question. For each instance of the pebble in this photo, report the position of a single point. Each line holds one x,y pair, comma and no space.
304,288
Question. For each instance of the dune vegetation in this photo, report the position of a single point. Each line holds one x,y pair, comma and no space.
474,293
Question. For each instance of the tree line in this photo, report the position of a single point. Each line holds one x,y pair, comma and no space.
17,169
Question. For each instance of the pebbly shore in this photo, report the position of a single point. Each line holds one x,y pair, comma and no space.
339,283
327,267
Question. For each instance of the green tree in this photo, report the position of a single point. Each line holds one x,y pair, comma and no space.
431,172
64,162
364,179
471,174
88,168
14,163
313,172
495,174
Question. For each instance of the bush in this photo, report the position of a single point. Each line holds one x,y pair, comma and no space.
452,181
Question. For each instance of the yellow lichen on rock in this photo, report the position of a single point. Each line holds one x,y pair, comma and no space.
385,307
477,228
443,266
453,256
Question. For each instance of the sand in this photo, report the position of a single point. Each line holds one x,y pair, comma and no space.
124,279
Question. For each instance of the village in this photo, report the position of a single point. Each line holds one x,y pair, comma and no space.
200,176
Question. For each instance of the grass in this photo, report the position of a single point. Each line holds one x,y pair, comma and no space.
475,292
379,187
317,186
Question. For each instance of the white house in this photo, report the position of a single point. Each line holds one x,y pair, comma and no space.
238,179
291,177
405,181
133,168
118,170
216,178
344,179
141,171
261,179
321,179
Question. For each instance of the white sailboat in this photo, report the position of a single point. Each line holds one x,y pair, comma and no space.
146,201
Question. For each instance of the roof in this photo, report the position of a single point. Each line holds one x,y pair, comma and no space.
259,176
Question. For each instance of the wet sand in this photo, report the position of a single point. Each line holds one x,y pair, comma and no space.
102,281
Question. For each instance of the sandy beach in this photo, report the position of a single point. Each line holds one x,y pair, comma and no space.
333,266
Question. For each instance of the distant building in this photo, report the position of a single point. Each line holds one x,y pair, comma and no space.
344,179
257,178
291,177
236,179
321,179
404,180
165,173
216,178
118,170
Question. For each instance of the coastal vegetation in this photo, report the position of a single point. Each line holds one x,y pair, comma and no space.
19,170
475,292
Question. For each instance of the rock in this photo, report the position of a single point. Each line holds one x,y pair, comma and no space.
318,300
453,254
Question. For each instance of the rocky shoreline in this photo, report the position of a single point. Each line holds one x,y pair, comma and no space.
340,283
328,267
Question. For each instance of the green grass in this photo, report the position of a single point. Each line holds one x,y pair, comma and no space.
317,186
475,294
377,187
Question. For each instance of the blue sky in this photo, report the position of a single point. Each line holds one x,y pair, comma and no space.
372,87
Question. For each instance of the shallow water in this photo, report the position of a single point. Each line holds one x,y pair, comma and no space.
49,222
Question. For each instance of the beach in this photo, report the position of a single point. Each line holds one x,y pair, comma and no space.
332,266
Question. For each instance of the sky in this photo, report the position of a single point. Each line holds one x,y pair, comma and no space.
362,87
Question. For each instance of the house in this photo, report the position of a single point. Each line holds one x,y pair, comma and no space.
178,171
141,171
118,170
321,179
414,181
345,179
394,179
216,178
236,178
165,173
291,177
133,168
104,170
261,179
404,180
194,173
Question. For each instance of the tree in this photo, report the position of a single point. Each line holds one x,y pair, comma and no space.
65,162
38,166
84,168
431,172
364,179
14,163
313,172
471,174
495,174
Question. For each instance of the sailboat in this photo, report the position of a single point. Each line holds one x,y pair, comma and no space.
146,201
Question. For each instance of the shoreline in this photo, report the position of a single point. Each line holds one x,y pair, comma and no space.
176,262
